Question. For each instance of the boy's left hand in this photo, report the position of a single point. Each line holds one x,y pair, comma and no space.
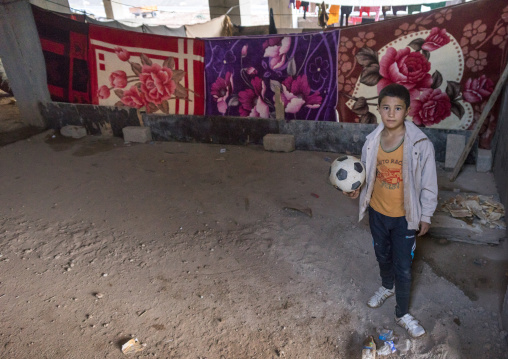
424,228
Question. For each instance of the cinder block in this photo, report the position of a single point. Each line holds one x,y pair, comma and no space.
483,160
279,143
73,131
455,144
137,134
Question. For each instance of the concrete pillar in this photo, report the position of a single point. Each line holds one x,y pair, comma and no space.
240,13
115,10
21,53
285,17
53,5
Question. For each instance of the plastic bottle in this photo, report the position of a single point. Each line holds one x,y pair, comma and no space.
385,334
403,346
369,348
387,349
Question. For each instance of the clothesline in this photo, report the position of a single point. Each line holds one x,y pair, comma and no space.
375,2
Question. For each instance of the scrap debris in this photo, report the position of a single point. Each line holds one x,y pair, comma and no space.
133,346
489,212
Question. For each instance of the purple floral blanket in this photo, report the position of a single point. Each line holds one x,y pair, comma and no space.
244,76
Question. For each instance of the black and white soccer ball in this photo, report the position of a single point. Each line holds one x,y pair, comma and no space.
347,173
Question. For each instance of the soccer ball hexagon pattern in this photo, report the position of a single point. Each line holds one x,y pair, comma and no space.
347,173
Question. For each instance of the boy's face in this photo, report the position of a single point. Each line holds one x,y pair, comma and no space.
393,111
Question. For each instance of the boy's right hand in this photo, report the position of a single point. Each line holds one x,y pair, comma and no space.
353,194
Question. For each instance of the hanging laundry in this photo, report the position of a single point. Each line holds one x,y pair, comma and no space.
157,73
241,74
345,11
291,4
414,8
64,44
365,9
377,11
305,6
437,5
385,9
298,3
323,16
395,9
333,16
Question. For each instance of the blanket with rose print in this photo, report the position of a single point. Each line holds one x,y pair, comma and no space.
449,59
149,72
244,74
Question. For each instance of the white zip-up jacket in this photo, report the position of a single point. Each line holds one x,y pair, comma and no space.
418,174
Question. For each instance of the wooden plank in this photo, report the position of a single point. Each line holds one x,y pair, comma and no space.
485,113
453,229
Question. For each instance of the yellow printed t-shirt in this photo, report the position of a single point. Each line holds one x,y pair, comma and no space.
388,194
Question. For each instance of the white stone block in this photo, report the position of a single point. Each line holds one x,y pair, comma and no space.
279,143
73,131
455,145
483,160
137,134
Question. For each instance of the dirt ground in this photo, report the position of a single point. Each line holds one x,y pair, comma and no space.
194,250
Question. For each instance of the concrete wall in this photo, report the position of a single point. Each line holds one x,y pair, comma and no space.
309,135
500,150
500,170
96,119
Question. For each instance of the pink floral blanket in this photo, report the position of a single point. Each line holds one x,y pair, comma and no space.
450,59
148,72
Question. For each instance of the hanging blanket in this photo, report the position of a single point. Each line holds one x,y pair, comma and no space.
144,71
449,59
64,44
212,28
165,30
115,24
244,76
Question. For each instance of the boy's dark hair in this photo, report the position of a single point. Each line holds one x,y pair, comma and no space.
395,90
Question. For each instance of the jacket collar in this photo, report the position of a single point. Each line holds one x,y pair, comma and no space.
413,133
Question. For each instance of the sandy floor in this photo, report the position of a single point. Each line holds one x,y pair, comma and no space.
194,251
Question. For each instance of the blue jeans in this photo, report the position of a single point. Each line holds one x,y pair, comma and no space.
394,246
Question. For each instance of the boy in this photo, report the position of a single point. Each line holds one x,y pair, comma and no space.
400,194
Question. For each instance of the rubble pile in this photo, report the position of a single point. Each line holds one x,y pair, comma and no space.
476,208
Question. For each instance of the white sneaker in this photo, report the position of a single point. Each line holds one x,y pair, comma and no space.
380,296
412,326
